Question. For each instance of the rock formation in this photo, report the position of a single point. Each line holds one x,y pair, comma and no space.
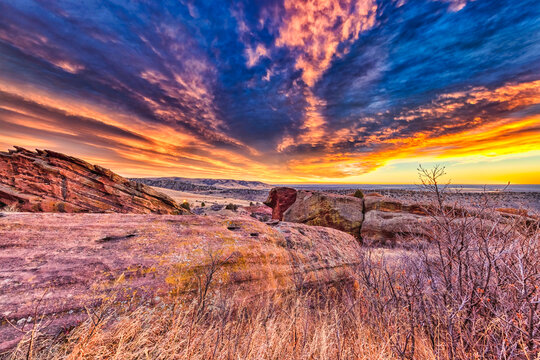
382,203
384,227
260,212
387,219
55,265
376,219
280,199
46,181
340,212
380,220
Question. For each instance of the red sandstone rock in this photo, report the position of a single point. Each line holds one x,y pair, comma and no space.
260,212
46,181
280,199
73,261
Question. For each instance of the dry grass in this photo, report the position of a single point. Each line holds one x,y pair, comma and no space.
10,208
401,304
398,307
312,325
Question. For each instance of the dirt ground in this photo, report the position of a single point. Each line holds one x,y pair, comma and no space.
197,199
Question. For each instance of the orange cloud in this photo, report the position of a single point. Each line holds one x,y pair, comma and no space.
137,148
460,138
151,149
511,95
318,27
133,146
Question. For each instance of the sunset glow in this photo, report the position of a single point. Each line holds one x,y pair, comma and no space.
279,91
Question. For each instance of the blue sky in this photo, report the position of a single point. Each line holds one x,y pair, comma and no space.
274,90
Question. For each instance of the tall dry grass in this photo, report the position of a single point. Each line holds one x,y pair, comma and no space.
322,324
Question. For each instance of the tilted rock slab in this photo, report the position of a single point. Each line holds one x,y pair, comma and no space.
54,265
340,212
47,181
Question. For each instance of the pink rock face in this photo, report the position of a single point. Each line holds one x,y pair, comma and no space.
55,265
260,212
378,202
46,181
280,199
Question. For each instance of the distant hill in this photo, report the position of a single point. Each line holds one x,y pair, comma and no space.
200,184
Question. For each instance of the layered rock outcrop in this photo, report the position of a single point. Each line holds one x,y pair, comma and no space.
382,203
47,181
386,220
380,220
386,227
280,199
375,219
341,212
57,265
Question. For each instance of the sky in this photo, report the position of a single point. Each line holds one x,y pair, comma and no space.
283,91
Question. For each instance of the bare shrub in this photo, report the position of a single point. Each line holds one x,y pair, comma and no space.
231,206
473,292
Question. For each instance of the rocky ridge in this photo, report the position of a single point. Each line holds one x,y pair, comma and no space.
47,181
198,184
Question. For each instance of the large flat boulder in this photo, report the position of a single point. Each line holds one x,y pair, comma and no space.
383,203
47,181
386,228
59,265
341,212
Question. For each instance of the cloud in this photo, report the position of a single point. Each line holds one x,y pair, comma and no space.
317,32
320,30
254,55
475,122
275,90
